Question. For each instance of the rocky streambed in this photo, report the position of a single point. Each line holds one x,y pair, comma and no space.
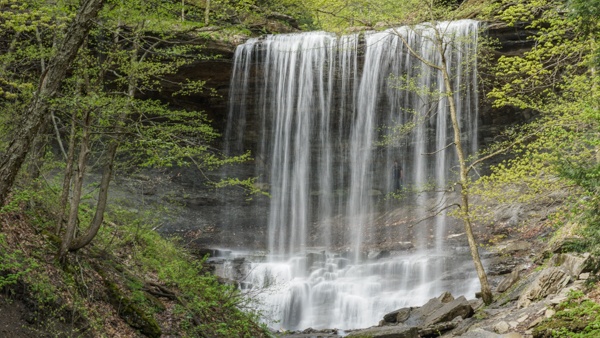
525,298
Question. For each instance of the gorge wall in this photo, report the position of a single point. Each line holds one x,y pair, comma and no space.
313,109
203,206
337,125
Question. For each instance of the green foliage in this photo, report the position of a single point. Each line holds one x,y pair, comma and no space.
340,15
12,264
249,185
538,78
16,201
209,307
127,255
576,318
555,80
588,11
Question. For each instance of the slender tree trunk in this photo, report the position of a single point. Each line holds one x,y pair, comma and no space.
92,231
50,81
84,151
207,13
89,235
36,157
39,143
486,292
182,10
66,188
464,169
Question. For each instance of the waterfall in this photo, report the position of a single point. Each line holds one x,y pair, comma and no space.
340,118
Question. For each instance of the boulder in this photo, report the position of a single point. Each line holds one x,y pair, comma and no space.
459,307
508,281
446,297
502,327
438,314
572,263
514,293
419,315
396,331
435,329
398,316
549,281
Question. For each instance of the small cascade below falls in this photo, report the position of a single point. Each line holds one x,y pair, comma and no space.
332,122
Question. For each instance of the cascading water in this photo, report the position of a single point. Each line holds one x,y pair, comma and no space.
330,143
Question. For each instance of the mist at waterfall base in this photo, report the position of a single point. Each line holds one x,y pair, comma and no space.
331,122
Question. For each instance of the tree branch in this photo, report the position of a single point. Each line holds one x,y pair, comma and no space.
436,214
440,150
414,53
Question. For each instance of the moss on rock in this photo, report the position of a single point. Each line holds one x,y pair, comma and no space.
575,318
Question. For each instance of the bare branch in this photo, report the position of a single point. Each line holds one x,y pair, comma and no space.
440,150
60,144
499,151
435,214
344,17
414,53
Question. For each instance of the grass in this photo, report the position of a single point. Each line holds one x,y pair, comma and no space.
577,317
130,280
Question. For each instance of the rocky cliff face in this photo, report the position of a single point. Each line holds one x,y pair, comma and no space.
201,208
217,69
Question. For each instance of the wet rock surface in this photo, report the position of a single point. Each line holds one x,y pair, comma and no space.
508,316
398,331
438,315
201,208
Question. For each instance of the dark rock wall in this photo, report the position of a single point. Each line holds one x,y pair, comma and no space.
204,212
217,74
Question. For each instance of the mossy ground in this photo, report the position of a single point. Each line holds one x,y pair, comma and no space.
129,282
576,318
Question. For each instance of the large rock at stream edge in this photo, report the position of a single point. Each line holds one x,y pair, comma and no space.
508,281
438,315
398,316
436,329
550,281
397,331
419,316
460,307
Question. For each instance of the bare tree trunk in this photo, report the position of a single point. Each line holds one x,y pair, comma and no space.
486,292
66,188
464,168
207,13
50,81
182,10
86,238
96,223
36,157
39,143
84,151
